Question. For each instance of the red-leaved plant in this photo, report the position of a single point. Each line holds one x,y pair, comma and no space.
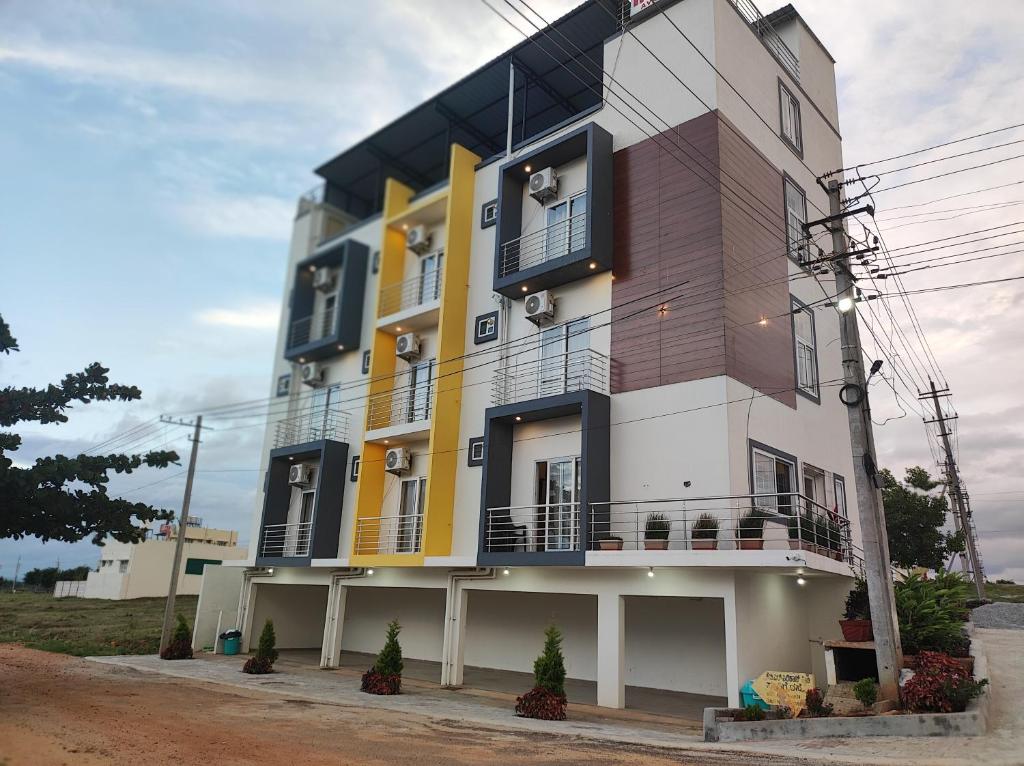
940,685
541,703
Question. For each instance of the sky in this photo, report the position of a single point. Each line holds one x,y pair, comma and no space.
152,154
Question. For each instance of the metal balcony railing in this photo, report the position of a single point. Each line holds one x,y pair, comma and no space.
525,379
533,528
400,296
313,425
733,522
389,534
538,247
402,406
283,540
321,324
771,38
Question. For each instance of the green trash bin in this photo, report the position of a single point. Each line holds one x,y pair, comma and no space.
232,640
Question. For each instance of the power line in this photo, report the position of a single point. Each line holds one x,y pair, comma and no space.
956,196
949,173
879,173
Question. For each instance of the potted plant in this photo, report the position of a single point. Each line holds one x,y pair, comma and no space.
751,530
266,652
704,533
385,677
801,532
856,622
656,531
546,700
834,539
609,543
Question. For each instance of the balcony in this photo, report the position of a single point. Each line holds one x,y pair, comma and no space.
313,425
550,375
533,528
314,328
413,304
403,413
286,540
385,535
536,248
737,523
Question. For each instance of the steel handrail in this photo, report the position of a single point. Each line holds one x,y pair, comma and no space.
553,241
417,291
318,325
389,534
518,528
579,370
287,539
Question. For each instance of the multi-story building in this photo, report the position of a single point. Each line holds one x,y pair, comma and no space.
544,354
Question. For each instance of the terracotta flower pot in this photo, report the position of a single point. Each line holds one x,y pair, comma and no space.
751,544
614,544
703,545
795,545
857,630
656,545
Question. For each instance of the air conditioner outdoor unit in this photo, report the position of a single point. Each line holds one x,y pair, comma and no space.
417,239
544,185
312,374
396,460
407,346
323,279
540,307
300,473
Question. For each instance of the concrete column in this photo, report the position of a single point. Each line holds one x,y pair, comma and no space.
249,605
330,653
456,635
611,650
732,655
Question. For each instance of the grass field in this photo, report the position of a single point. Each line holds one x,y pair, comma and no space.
1014,593
84,627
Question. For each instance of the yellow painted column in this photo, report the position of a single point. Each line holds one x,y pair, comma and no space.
451,342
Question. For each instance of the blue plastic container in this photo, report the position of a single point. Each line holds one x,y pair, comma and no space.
747,696
232,645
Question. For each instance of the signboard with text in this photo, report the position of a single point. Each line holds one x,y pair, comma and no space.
778,687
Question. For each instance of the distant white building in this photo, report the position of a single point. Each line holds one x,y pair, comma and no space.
139,570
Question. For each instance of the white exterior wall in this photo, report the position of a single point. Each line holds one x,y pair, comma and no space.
419,611
217,609
298,612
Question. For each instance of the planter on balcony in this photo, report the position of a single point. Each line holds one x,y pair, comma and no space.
698,544
610,544
752,545
656,531
656,545
704,535
751,530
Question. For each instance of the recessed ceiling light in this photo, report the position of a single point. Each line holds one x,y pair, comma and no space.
341,347
526,168
405,227
593,265
524,288
397,328
519,418
650,571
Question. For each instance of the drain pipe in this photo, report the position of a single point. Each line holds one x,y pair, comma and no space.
334,619
451,648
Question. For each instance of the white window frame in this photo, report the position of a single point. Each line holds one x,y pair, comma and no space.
805,352
408,537
839,487
795,201
790,123
490,214
569,366
773,503
574,229
476,451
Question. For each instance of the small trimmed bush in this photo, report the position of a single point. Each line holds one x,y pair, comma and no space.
815,704
940,685
751,525
866,691
180,647
705,527
546,700
750,713
657,527
266,652
385,677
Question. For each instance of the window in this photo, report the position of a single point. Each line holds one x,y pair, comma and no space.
814,489
774,479
476,451
284,383
486,328
558,493
376,261
320,422
430,276
410,515
327,319
366,363
489,214
122,567
796,217
806,351
566,227
789,109
840,487
420,384
354,472
564,362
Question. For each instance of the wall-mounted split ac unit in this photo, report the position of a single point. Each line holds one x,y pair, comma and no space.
312,374
417,239
544,185
397,460
300,474
323,279
407,346
540,307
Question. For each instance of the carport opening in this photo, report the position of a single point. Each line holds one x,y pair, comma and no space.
675,654
299,613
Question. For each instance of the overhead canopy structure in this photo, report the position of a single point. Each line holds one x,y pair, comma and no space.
554,82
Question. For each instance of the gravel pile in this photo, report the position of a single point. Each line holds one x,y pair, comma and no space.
999,615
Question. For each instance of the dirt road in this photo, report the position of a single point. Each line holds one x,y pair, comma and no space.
56,709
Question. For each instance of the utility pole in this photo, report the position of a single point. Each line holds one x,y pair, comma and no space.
960,513
17,568
179,544
877,569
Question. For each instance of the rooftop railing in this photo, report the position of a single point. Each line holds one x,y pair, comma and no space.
285,540
771,38
525,379
389,534
535,248
417,291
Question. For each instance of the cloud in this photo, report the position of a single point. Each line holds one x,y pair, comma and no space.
243,217
262,317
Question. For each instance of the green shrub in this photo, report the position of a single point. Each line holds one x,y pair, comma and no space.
180,646
751,525
549,667
931,613
857,605
389,661
657,527
750,713
266,649
866,691
816,705
705,527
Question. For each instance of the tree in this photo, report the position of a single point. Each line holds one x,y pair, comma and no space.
267,647
65,498
549,668
180,646
389,661
914,521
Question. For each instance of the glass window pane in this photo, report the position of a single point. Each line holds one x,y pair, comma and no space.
556,237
